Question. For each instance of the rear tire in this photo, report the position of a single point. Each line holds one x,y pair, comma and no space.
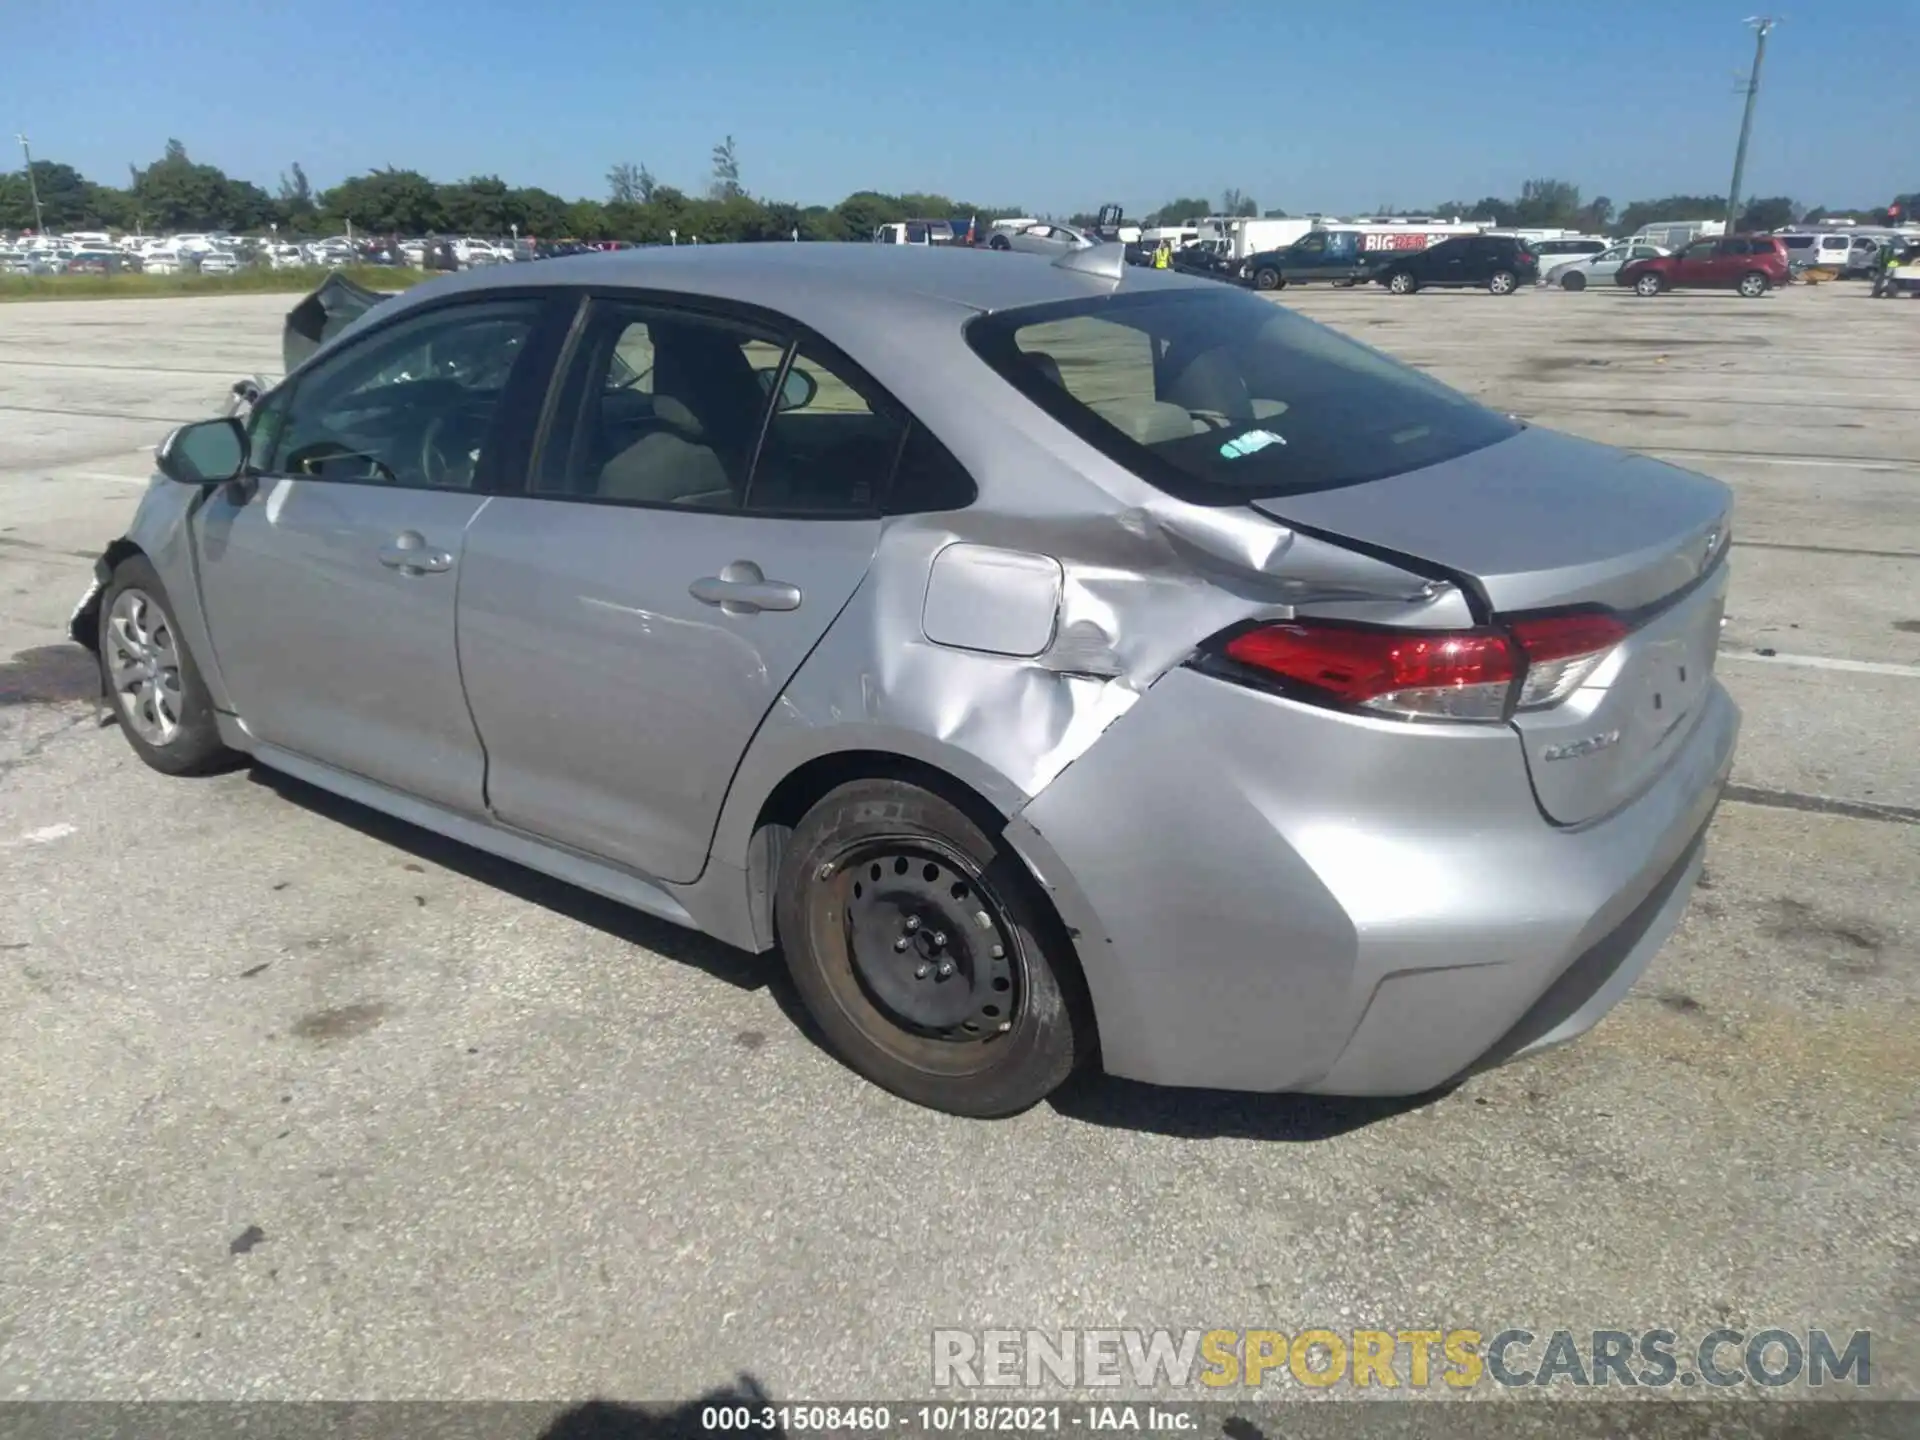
1401,282
1753,284
1267,278
1648,285
999,242
1575,281
1502,282
149,677
890,907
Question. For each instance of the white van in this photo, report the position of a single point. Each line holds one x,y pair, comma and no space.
1827,249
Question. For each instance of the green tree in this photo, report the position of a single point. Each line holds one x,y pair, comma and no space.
1235,204
1547,204
1775,212
1672,207
1178,212
402,202
726,171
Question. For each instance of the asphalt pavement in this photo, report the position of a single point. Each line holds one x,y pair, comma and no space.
303,1103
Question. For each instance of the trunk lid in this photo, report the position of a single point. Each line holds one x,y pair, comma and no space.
1543,521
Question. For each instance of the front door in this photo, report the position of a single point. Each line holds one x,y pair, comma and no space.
627,624
1694,265
329,581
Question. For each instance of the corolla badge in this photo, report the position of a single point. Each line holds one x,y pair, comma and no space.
1574,749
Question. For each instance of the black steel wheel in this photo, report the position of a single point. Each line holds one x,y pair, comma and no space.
922,952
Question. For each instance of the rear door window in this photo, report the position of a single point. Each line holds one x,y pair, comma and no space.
1218,397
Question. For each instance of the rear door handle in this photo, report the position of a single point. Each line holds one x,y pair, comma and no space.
741,589
409,553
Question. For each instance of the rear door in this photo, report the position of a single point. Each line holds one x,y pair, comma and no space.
626,624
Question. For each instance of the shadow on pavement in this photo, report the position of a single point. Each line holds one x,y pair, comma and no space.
1225,1114
614,1420
675,942
1093,1099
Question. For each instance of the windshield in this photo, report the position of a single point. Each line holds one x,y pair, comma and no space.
1217,396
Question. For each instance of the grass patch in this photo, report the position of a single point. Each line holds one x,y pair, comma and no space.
154,287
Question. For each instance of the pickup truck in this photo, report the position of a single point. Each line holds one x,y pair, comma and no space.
1323,255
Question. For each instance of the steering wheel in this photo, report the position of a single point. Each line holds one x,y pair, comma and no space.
449,448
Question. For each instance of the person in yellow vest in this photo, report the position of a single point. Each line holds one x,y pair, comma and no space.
1162,255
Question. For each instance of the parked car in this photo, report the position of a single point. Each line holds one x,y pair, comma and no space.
1750,264
1333,254
1498,263
1552,253
1575,274
1042,239
220,262
1268,717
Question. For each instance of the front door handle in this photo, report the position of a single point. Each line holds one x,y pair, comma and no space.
741,589
410,554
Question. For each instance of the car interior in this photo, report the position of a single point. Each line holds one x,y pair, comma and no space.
674,420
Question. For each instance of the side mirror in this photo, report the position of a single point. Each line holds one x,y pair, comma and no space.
210,452
796,392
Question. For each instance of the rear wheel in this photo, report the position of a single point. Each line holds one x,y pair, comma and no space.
921,950
150,678
1575,281
1267,278
1401,282
1753,284
1503,282
999,242
1648,284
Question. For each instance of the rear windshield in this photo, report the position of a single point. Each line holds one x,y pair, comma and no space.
1218,397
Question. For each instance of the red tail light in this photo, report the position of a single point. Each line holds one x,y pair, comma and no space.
1433,674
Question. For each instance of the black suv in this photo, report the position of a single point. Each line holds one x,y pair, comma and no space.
1499,263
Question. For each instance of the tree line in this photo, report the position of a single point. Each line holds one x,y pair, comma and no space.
177,193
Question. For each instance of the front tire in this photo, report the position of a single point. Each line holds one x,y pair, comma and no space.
150,679
923,952
1575,281
1502,282
1267,278
1648,285
1753,284
1401,282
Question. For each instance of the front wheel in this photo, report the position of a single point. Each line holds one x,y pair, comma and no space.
1267,278
1753,284
1401,282
1575,281
1648,285
150,679
1503,282
922,950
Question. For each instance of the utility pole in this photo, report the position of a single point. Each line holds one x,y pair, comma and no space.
33,187
1762,27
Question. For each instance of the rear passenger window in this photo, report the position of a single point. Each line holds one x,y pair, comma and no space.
927,478
831,442
660,408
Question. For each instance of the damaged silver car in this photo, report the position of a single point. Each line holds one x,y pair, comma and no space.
1059,662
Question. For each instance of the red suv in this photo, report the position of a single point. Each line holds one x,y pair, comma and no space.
1751,264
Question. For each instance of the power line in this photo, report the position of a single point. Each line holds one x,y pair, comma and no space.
1762,27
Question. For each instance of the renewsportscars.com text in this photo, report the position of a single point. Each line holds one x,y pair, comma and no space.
1387,1360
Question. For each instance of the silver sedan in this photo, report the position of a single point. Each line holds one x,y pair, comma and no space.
1590,269
1045,238
1059,663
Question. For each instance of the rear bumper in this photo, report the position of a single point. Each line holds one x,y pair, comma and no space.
1269,897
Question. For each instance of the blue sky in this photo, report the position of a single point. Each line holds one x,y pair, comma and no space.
1053,105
